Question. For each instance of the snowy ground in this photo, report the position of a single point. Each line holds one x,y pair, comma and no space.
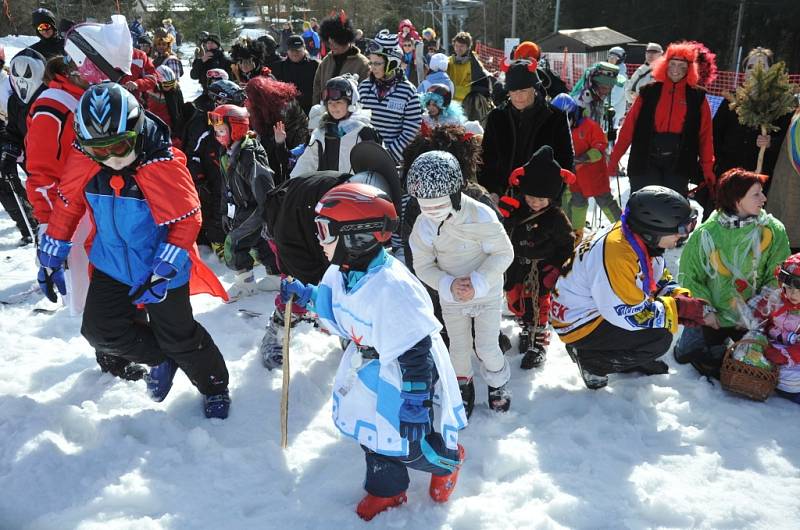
81,449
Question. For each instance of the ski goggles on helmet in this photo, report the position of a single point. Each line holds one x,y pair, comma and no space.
336,94
788,279
328,230
215,119
44,26
168,85
117,146
685,228
324,234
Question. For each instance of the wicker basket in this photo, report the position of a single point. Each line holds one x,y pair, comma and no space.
742,378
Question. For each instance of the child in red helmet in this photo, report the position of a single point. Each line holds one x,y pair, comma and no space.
384,387
247,179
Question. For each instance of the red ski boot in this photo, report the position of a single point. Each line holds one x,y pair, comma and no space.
442,486
372,505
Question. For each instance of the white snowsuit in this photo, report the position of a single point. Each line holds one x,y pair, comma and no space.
471,242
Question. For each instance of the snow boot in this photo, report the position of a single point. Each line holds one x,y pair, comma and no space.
25,241
219,250
271,348
499,398
271,282
504,342
119,367
654,367
524,339
442,486
372,505
244,285
536,352
467,388
217,405
592,381
159,380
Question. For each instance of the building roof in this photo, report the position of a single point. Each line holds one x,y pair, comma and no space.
598,37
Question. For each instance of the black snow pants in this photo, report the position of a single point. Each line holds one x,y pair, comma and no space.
9,203
610,349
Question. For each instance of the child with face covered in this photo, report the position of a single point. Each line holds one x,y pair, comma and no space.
461,250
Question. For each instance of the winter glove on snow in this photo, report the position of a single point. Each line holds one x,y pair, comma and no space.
52,255
8,162
508,205
550,276
690,310
169,260
415,417
302,292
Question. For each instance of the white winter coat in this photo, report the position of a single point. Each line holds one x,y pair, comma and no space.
643,76
471,242
352,126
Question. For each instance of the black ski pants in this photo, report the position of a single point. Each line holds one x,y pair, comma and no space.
7,190
110,325
610,349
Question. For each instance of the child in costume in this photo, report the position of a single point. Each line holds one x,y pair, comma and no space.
247,179
163,97
440,109
543,240
461,250
386,379
590,143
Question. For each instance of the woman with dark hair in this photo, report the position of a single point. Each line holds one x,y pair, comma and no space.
278,119
726,261
737,145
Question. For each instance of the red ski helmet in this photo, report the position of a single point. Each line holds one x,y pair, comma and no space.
789,272
236,118
361,216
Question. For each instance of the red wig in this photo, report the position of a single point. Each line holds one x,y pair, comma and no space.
706,65
684,51
267,100
733,186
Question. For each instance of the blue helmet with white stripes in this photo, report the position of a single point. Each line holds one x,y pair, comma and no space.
107,114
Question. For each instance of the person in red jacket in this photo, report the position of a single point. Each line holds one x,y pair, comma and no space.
162,96
146,216
590,143
668,127
141,67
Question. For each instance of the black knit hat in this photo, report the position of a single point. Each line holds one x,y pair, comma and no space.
339,28
541,175
521,74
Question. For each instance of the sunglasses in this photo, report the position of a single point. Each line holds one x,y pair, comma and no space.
376,63
115,147
788,279
44,26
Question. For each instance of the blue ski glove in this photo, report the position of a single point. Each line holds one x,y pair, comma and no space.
52,255
302,292
169,260
415,411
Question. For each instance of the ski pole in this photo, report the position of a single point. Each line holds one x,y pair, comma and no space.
287,333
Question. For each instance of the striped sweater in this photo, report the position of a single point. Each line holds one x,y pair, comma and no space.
397,116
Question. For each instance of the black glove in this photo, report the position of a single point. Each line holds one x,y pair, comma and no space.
8,161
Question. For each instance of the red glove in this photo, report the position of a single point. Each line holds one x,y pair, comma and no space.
690,310
550,276
508,205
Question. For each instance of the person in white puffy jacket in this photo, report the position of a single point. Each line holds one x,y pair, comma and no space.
461,250
343,125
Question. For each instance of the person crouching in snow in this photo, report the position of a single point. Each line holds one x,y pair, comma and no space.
543,240
591,170
247,179
343,125
162,96
385,382
146,217
616,306
461,250
440,109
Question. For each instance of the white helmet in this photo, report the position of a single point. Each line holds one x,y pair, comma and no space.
27,73
166,76
107,48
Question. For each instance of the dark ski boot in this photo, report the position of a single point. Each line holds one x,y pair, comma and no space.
592,381
536,351
217,405
504,342
119,367
499,398
654,367
467,388
159,380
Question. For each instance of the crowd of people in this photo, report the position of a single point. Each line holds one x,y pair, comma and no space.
289,160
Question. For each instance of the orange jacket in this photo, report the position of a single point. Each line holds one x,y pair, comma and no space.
592,177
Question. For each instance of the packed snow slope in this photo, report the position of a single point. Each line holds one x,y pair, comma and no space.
81,449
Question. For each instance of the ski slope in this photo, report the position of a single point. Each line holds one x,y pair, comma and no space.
81,449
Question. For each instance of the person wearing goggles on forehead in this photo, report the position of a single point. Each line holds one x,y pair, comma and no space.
616,306
728,260
392,365
163,97
145,215
246,179
343,125
51,43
